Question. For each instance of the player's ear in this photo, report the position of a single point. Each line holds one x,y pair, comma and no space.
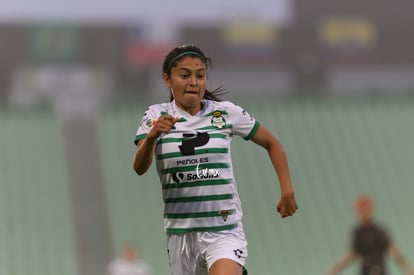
167,80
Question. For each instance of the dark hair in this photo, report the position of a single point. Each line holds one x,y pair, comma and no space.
179,53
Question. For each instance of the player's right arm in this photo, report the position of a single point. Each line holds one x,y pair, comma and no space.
146,147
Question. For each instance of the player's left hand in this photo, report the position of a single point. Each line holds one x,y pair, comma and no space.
287,205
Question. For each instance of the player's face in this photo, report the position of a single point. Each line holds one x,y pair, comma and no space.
364,212
187,81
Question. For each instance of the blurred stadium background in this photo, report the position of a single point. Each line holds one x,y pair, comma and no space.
333,80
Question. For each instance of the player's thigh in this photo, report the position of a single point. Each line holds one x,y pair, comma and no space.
226,251
182,261
226,267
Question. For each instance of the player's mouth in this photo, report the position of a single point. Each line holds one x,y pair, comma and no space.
192,92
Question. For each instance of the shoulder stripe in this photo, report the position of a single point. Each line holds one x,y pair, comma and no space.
253,131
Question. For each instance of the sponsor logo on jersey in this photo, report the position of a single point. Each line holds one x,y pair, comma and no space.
218,120
191,141
177,177
201,175
198,174
192,161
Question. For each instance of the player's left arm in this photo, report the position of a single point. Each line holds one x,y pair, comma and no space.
287,204
399,258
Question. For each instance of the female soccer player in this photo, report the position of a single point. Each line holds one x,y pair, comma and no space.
190,138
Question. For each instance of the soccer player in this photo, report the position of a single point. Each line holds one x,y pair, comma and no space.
370,244
190,139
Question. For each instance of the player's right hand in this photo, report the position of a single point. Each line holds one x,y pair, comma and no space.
163,125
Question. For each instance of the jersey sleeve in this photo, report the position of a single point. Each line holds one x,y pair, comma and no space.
243,124
147,121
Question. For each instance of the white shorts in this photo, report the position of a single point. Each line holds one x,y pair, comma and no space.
194,253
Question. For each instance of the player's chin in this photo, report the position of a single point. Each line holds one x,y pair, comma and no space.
191,101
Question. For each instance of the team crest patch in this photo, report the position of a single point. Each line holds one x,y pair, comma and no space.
150,122
218,120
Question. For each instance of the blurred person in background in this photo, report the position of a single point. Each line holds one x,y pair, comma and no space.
190,137
370,244
129,262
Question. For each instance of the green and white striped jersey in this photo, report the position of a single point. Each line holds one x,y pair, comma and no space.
194,164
